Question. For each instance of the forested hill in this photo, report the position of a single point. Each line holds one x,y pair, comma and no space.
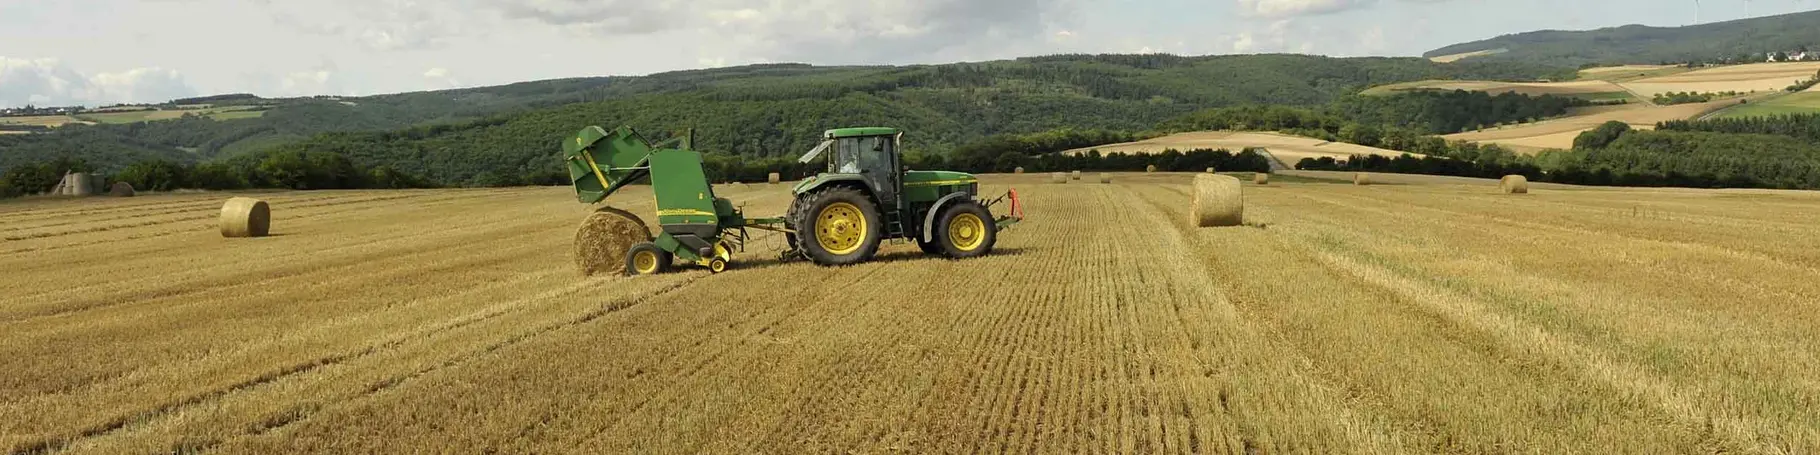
457,137
1637,44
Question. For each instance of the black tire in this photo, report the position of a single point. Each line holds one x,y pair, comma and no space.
663,259
982,230
811,220
930,247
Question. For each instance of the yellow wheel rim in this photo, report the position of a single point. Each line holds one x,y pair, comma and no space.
840,228
717,266
966,232
645,262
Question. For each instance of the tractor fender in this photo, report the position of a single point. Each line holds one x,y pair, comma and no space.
936,210
822,180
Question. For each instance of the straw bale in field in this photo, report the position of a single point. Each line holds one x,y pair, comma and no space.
774,178
604,238
1361,179
1219,200
1105,178
121,189
245,217
1514,184
1058,177
1261,178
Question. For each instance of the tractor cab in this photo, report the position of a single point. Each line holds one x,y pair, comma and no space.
870,155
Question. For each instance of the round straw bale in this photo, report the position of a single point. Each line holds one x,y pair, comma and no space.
1219,200
1019,170
1261,178
1058,177
1514,184
604,238
1076,175
245,217
1212,171
774,178
121,189
1105,178
1361,179
1150,168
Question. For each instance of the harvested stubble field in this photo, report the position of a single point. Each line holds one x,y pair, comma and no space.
1422,315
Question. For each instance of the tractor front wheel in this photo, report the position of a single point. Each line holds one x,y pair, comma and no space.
838,226
966,230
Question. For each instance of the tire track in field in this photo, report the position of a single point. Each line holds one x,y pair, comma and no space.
287,218
1688,246
304,413
213,281
200,217
125,423
1474,314
1607,251
1353,412
1467,312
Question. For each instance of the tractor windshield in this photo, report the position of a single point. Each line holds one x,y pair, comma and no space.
851,154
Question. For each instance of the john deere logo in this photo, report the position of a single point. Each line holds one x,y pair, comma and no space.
577,140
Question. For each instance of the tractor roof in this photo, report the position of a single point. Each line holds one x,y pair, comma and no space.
855,132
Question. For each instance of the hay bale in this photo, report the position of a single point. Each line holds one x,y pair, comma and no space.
245,217
1150,168
1219,201
1514,184
1076,175
774,178
1105,178
1212,171
1057,177
1019,170
604,238
121,189
1361,179
1260,178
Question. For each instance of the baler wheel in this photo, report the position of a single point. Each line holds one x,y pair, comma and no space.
647,259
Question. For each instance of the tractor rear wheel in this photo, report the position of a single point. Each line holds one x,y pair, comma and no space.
933,247
647,259
966,230
838,226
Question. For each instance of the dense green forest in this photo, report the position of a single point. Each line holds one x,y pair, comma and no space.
508,134
1802,126
1614,154
1739,40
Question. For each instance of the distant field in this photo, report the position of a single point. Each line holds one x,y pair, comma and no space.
42,120
1759,77
1458,57
1807,102
1630,72
218,113
1591,90
1559,133
1288,149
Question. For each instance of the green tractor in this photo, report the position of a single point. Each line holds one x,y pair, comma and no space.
867,196
839,217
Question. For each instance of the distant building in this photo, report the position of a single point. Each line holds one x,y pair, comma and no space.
1797,56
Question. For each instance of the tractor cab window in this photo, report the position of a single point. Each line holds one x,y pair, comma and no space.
851,154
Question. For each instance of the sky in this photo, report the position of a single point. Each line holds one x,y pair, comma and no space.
97,52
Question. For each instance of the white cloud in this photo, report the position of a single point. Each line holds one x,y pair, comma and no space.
51,82
1293,8
441,78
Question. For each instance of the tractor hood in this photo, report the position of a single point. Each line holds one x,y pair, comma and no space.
937,178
